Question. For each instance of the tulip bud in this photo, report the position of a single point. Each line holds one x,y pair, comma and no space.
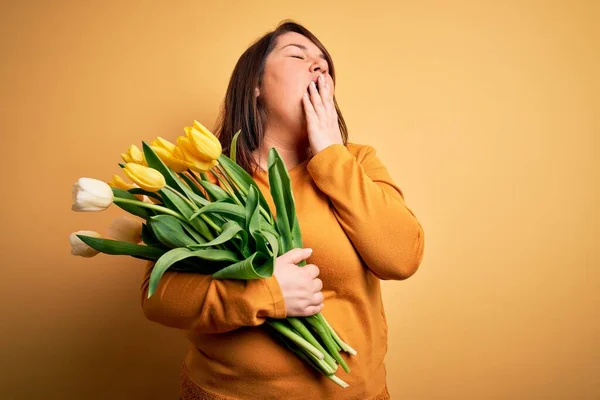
126,229
91,195
170,160
187,149
160,142
148,179
134,155
119,183
207,146
79,248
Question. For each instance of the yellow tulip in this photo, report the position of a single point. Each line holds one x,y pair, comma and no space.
165,150
206,145
119,183
147,178
134,155
160,142
187,150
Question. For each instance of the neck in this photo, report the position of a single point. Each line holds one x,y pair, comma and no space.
293,147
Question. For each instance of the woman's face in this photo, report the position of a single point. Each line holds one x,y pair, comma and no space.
290,67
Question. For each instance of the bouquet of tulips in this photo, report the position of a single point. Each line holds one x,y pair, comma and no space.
218,224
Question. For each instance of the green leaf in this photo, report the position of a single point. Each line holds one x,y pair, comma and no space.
199,200
243,180
176,203
230,229
265,226
252,211
169,231
145,192
116,247
193,233
198,197
273,242
225,181
281,191
171,178
227,210
149,238
155,162
233,149
131,208
171,257
214,191
253,267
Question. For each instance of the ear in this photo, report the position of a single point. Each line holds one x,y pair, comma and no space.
256,92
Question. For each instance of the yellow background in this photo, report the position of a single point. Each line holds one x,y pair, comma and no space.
486,114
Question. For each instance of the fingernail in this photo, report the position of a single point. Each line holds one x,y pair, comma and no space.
321,78
309,249
306,95
313,83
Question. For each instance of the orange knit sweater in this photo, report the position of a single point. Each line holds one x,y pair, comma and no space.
354,218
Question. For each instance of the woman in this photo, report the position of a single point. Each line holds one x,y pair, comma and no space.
351,214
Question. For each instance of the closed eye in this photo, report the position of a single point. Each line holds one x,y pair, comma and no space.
300,57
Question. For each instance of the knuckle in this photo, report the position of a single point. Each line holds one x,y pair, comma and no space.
310,311
319,298
318,284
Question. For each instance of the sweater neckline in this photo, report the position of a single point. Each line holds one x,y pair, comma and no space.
298,169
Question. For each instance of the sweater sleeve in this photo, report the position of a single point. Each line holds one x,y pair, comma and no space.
370,208
202,304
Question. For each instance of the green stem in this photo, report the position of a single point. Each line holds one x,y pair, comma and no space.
339,341
306,334
162,209
195,207
338,381
264,212
193,175
211,223
320,365
328,340
297,339
235,181
227,184
184,198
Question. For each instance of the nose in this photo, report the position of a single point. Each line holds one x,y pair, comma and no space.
319,65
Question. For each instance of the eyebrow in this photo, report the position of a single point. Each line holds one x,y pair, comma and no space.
302,47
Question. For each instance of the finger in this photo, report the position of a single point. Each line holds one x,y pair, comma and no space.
318,298
315,98
312,310
312,271
309,110
294,256
325,91
318,285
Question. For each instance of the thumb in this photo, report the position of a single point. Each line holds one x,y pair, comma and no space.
294,256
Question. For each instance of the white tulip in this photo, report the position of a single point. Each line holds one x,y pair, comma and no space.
91,195
126,229
79,248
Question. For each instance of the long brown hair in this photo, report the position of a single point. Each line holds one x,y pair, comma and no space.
241,110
